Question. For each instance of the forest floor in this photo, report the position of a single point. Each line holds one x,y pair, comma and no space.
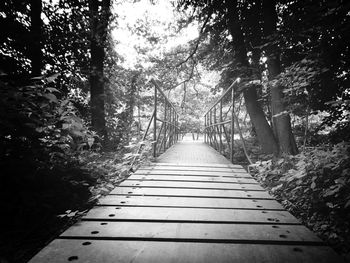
36,213
315,187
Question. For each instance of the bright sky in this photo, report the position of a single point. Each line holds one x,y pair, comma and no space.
160,16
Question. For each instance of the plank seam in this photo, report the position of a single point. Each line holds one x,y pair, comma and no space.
199,175
194,188
194,196
187,221
193,170
193,207
198,240
185,181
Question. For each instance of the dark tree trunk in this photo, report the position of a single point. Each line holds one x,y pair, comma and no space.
255,111
99,16
262,128
130,106
280,118
36,55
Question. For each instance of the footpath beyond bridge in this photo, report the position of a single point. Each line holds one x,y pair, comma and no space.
191,206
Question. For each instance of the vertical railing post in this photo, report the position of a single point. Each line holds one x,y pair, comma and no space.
174,127
215,130
177,127
165,125
155,123
232,124
210,123
170,127
220,127
205,128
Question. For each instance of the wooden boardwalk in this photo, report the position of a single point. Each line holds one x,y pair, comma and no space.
191,206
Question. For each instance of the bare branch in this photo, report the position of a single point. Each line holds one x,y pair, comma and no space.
198,42
189,77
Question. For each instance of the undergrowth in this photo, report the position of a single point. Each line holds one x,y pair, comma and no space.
52,167
315,186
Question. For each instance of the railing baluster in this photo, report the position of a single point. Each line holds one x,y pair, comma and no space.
155,123
215,132
170,130
220,126
165,126
169,125
232,125
205,125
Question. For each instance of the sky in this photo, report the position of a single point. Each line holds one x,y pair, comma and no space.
160,15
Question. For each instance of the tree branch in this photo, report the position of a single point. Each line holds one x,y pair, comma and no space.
197,43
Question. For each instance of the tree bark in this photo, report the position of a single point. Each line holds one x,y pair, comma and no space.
36,55
99,16
130,105
280,118
264,132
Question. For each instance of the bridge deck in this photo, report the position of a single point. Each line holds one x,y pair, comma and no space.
192,206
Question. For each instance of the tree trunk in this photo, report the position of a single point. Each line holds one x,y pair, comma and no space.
36,55
99,25
262,128
130,106
264,132
280,118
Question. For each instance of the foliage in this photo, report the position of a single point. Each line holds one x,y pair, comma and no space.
34,118
314,185
313,37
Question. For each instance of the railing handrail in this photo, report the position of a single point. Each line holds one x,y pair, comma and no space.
154,82
215,132
223,95
171,129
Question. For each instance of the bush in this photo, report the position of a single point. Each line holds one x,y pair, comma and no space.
314,185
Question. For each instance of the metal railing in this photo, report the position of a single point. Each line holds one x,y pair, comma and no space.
168,133
164,122
219,122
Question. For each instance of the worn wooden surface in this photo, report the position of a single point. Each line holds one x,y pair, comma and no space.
223,193
182,212
191,202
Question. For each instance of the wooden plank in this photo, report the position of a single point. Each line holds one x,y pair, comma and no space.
162,201
107,251
202,173
194,168
193,232
214,165
193,185
191,192
189,215
181,178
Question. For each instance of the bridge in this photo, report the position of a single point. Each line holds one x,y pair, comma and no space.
190,205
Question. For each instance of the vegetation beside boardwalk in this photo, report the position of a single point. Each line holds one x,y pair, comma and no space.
314,186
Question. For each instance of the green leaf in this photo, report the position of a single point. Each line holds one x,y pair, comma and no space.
347,204
52,90
51,97
313,185
52,77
